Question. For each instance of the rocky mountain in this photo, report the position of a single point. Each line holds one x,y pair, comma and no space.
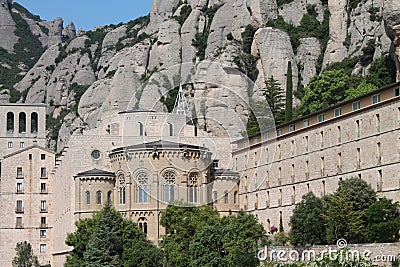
109,69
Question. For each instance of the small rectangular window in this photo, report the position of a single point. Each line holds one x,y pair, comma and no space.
21,144
42,156
19,188
10,144
306,123
215,196
266,136
278,132
338,112
43,172
43,233
291,128
18,223
376,99
43,188
43,206
226,197
20,174
321,117
356,105
43,222
42,248
396,91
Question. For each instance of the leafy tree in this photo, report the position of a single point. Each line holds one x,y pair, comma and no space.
104,248
181,224
324,91
274,95
342,221
383,219
357,192
25,256
137,250
196,236
107,239
361,89
79,240
307,225
289,93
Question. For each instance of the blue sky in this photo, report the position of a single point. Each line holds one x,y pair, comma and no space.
88,14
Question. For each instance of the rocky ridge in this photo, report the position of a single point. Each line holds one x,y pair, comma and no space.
86,77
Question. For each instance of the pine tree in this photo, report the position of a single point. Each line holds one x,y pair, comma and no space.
289,93
273,93
24,256
104,248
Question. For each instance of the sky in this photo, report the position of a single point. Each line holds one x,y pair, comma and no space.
87,14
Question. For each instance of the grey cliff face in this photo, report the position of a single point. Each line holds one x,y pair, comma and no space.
115,71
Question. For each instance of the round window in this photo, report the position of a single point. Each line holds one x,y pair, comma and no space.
96,154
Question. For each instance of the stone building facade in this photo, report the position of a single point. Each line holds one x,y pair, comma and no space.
26,187
142,160
357,138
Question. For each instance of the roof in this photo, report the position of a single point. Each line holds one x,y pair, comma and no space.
96,172
29,148
136,111
158,144
24,104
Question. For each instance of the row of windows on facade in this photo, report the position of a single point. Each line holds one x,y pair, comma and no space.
322,173
20,207
22,123
142,131
43,224
321,117
322,143
357,131
21,175
20,188
294,199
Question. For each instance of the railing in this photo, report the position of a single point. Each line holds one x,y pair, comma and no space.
19,210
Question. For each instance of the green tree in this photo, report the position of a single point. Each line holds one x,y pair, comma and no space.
181,224
274,95
79,240
104,248
137,250
289,93
342,221
307,225
24,256
357,192
383,219
324,91
361,89
107,239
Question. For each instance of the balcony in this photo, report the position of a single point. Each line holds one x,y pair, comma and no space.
19,191
19,210
43,210
43,191
19,226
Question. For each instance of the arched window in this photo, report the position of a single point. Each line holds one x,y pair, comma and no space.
143,188
193,186
98,196
235,195
122,192
10,122
87,197
169,185
22,122
141,129
226,197
109,194
34,122
142,223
